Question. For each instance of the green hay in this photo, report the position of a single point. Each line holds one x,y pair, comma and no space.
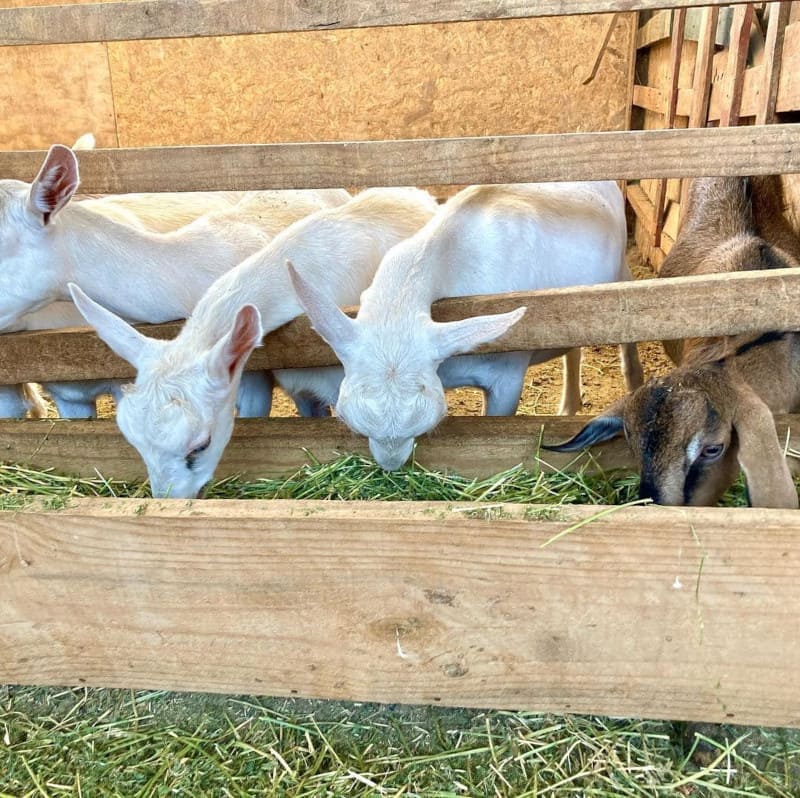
120,743
350,478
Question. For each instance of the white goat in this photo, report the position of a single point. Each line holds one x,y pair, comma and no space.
179,412
47,241
486,239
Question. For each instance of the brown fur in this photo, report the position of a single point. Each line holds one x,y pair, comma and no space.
694,429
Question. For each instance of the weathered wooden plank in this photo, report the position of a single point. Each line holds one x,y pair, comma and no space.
701,83
737,62
625,155
165,19
652,612
656,29
789,82
643,208
773,49
675,54
649,98
476,447
643,310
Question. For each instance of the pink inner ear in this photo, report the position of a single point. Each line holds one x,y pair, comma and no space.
246,336
56,182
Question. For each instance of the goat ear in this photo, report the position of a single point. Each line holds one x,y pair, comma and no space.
761,456
230,353
85,142
127,342
602,428
56,182
456,337
327,318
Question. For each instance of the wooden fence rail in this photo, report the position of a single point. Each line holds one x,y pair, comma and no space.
165,19
275,448
764,149
663,309
648,611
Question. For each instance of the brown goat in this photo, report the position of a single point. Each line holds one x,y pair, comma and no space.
694,429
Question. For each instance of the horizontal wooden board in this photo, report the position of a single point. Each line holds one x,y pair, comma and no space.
629,154
649,98
165,19
646,612
473,446
670,308
277,447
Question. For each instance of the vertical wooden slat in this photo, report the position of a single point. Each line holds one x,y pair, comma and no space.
737,62
701,84
773,49
676,49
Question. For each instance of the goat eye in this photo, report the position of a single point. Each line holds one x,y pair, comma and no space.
198,450
711,452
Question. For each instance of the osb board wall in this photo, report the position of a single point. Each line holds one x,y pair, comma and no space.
502,77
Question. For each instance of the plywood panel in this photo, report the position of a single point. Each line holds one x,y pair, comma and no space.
56,93
430,80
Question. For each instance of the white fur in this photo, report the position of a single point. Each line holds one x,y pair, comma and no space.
144,276
486,239
179,413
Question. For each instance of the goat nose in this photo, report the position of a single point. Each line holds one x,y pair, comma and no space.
649,490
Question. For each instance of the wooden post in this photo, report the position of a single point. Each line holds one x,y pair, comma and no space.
676,49
773,49
701,85
737,62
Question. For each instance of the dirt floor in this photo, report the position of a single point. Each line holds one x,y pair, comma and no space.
602,379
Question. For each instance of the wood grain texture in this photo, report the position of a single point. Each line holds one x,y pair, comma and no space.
733,81
164,19
763,149
477,447
646,612
656,29
773,52
419,81
644,310
789,81
648,98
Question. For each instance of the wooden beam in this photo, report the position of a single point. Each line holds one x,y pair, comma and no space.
619,155
701,83
477,447
675,54
649,98
642,207
656,29
670,308
651,612
165,19
733,81
789,81
773,50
